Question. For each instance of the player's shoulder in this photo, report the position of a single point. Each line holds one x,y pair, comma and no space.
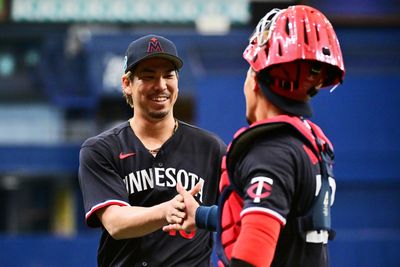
280,145
107,137
278,153
284,136
200,134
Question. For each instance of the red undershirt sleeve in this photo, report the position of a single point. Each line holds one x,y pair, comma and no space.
257,240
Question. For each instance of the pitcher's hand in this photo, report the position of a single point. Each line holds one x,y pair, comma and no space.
191,205
175,210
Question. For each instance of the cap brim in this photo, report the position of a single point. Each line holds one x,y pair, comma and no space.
290,106
176,61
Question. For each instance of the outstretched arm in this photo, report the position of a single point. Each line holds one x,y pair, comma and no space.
134,221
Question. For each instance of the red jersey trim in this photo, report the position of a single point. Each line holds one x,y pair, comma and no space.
270,212
105,204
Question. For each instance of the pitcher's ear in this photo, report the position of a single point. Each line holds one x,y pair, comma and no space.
126,81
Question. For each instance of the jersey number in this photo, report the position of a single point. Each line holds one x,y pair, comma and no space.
184,234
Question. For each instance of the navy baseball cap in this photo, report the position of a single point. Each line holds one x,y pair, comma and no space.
293,107
151,46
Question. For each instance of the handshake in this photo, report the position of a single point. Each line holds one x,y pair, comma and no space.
181,210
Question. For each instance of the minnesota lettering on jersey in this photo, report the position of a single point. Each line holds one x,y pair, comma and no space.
145,179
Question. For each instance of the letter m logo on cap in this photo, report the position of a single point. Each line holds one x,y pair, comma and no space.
154,46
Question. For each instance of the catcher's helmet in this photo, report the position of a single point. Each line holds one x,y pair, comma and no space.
295,52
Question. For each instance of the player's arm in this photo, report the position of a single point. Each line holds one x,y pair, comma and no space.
132,221
256,243
207,217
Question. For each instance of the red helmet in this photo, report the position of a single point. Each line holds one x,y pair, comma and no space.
298,50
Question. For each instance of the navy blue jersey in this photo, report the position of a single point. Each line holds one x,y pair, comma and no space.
116,168
278,176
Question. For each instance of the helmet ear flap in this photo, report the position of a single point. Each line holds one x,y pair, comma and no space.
299,80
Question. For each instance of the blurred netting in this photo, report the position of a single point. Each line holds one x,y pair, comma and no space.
139,11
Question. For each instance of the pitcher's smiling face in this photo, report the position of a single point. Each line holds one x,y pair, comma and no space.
154,88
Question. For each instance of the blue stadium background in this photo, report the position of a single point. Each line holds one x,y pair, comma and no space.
66,90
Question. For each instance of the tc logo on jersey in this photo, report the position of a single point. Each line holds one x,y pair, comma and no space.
261,188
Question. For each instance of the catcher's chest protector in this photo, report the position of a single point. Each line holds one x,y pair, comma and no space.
316,218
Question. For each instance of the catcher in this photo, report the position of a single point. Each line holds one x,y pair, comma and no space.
277,184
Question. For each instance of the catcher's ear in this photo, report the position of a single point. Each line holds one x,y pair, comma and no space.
256,87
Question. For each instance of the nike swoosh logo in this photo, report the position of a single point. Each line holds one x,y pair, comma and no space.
124,156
